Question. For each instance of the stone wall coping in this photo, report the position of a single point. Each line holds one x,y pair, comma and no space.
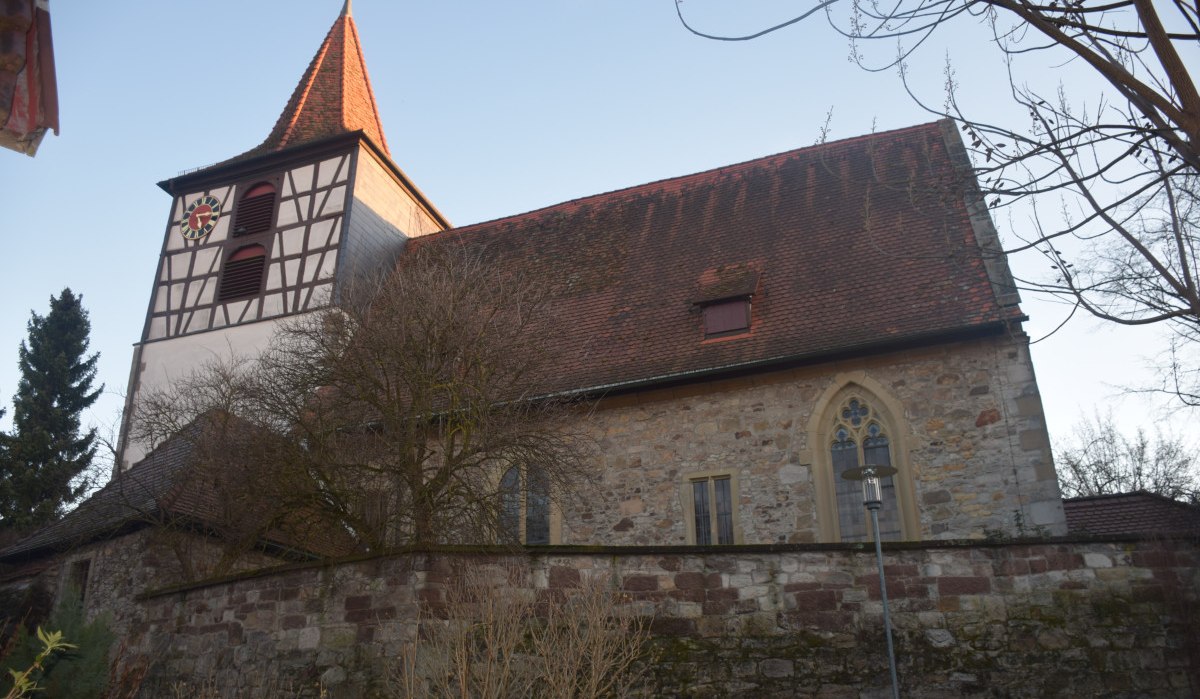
674,550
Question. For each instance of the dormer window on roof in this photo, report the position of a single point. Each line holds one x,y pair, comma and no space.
723,295
727,317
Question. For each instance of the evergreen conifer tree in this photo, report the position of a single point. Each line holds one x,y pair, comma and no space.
40,460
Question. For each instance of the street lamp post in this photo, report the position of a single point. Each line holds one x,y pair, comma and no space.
873,499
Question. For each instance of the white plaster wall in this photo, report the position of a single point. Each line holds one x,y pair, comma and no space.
378,189
165,361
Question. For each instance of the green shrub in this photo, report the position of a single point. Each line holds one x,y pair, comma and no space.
80,672
25,681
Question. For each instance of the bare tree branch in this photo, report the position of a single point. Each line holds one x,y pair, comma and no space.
1112,189
390,416
1099,460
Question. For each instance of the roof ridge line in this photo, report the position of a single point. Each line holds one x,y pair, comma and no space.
680,178
366,79
310,78
331,97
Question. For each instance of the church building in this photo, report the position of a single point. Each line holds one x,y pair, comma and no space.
747,334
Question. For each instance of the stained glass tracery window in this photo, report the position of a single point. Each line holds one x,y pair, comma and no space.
858,439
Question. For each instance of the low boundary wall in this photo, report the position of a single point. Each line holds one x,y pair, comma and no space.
1056,618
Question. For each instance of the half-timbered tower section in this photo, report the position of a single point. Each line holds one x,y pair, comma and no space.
280,229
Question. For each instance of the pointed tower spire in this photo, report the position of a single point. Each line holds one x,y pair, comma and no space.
333,97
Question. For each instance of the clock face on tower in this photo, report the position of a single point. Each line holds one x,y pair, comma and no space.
200,217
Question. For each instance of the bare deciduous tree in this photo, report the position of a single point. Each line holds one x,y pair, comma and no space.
1110,178
390,416
1099,460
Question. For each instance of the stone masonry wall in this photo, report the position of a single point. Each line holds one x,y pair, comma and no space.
972,420
120,568
1027,619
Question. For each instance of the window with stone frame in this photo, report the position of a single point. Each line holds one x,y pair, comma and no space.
858,437
525,506
710,509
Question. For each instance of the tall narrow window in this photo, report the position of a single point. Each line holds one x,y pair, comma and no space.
510,504
377,513
255,210
525,506
859,439
77,578
537,508
243,273
712,510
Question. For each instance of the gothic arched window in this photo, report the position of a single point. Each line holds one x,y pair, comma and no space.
525,506
858,438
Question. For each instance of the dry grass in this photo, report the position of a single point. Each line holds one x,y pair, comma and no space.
208,688
497,640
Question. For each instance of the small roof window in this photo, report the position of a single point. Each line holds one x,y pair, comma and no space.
727,317
723,295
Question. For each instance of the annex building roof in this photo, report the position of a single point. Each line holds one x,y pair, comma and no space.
1130,513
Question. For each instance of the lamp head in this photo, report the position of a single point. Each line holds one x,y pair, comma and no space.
870,475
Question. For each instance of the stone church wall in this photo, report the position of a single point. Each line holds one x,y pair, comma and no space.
967,419
1027,619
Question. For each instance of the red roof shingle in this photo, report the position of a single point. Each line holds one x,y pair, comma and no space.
333,97
846,245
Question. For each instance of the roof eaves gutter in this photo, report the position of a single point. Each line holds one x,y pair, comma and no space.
70,543
268,161
784,361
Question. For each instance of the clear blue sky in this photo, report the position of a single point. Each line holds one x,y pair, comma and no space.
491,108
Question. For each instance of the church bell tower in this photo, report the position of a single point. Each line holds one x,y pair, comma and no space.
276,231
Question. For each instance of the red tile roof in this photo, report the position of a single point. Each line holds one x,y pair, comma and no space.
333,97
847,245
1131,513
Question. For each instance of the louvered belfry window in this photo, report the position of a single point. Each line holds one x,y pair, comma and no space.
243,273
255,211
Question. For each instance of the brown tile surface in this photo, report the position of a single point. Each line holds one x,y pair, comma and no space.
1130,513
849,245
333,97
